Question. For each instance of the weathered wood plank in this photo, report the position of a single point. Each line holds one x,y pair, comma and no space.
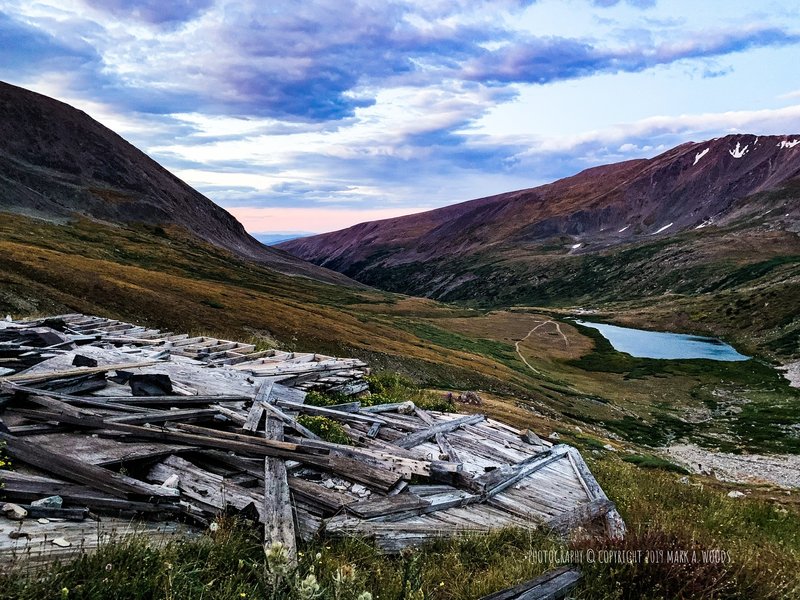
98,478
328,412
277,507
553,585
418,437
580,515
40,377
496,481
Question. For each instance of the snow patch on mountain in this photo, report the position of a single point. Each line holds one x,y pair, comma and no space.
664,228
739,152
624,228
788,144
700,155
705,223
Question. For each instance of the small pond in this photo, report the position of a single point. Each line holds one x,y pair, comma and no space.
655,344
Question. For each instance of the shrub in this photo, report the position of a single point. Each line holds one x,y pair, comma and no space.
328,429
647,461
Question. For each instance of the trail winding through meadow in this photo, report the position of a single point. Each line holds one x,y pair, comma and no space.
541,324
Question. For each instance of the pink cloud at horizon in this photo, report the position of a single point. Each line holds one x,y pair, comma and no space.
315,220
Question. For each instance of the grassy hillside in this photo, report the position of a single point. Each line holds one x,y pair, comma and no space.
539,360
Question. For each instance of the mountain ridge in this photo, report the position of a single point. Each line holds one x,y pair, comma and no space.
57,162
692,186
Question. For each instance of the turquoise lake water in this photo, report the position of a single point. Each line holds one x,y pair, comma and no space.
655,344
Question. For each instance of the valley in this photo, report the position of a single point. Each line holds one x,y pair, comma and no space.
535,358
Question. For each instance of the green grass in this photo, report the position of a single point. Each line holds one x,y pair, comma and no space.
760,538
649,461
328,429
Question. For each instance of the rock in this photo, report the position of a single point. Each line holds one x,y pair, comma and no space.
49,502
61,542
43,521
578,429
530,437
469,398
358,489
554,436
406,408
684,480
736,494
328,483
609,447
14,511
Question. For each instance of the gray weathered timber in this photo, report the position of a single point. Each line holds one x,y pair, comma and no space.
418,437
278,516
580,515
553,585
257,410
76,470
496,481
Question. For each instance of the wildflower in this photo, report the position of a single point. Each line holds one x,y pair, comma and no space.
168,566
278,559
64,593
109,566
242,595
364,596
309,588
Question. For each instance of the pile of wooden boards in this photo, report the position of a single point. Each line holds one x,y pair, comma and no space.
116,420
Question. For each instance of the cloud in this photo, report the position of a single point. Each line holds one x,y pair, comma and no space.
316,220
25,47
547,59
636,3
156,12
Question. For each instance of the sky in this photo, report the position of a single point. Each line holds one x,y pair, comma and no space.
309,116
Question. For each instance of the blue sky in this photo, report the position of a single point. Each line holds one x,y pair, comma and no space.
314,115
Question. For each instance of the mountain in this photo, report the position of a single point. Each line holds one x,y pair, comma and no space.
454,252
56,162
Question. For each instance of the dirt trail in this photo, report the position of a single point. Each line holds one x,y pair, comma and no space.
541,324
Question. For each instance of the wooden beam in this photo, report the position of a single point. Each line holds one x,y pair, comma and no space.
98,478
581,515
278,516
419,437
553,585
40,377
496,481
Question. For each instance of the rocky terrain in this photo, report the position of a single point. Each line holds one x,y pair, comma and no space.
56,162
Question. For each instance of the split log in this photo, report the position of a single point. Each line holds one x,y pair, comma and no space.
579,516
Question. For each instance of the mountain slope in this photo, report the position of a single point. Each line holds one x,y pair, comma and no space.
57,162
693,185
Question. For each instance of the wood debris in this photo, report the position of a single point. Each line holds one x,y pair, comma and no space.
117,420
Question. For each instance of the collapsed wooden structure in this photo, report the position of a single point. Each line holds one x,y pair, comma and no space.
118,420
